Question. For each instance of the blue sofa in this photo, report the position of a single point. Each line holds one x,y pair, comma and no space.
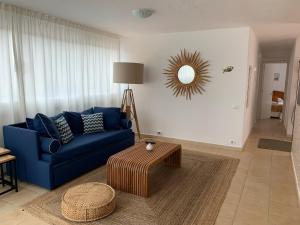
84,153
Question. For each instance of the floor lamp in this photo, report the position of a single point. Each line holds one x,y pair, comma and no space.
129,73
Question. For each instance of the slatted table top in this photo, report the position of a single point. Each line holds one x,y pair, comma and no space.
4,151
6,158
138,154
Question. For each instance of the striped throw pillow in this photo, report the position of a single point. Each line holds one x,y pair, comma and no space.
64,130
92,123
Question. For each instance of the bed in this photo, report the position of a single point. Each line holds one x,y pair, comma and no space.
277,104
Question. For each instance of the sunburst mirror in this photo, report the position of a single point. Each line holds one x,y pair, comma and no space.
187,74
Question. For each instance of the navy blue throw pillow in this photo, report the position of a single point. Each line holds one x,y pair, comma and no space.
46,126
88,111
126,123
111,117
29,123
75,121
49,145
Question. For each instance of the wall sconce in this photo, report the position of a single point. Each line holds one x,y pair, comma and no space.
228,69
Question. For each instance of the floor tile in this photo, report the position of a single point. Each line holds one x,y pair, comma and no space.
223,221
284,211
18,217
248,216
6,207
283,188
282,220
257,182
232,198
228,210
255,197
20,198
236,187
285,199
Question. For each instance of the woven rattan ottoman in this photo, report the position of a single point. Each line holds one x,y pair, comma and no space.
88,202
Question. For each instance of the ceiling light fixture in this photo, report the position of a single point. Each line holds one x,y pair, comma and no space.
142,13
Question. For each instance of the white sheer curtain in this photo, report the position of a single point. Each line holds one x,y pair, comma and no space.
48,65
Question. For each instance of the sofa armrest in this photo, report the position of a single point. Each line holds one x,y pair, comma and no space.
22,142
25,145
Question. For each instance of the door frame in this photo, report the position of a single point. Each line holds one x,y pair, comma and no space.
260,86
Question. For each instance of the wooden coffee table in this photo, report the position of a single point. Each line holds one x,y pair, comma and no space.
129,170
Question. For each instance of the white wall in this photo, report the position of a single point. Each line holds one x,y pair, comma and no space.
292,86
215,117
296,148
253,63
296,135
275,54
287,108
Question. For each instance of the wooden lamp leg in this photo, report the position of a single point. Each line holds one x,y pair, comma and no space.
128,106
124,103
135,115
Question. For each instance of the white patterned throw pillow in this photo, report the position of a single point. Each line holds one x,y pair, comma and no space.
64,130
92,123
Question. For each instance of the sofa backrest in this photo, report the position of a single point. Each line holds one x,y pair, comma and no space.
20,125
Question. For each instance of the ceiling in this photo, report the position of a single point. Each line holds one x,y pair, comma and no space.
274,21
277,40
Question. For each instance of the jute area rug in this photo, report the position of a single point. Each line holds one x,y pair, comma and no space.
189,195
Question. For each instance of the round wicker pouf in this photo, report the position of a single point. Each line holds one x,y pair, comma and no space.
88,202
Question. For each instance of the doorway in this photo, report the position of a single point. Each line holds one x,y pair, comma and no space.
273,90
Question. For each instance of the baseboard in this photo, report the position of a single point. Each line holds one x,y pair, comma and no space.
193,145
296,178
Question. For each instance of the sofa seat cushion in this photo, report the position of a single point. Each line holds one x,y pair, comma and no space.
83,144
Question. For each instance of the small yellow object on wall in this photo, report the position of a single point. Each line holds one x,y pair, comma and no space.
228,69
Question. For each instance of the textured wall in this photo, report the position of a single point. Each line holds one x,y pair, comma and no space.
253,61
296,135
292,86
296,147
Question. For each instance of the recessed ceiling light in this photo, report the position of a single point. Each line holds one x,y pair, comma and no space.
142,13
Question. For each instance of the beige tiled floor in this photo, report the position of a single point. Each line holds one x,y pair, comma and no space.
263,191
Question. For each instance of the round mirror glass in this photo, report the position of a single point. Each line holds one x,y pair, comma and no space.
186,74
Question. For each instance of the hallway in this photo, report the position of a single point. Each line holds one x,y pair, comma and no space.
272,128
